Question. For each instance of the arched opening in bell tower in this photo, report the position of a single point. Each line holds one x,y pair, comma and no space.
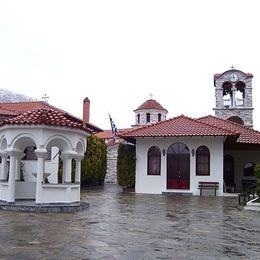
227,94
240,93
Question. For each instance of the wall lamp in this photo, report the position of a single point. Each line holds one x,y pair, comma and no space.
163,151
192,152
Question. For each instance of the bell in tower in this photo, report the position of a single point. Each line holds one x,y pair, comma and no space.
233,93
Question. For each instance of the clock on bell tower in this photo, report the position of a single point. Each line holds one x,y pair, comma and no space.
233,93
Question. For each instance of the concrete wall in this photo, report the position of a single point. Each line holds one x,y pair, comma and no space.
157,184
63,193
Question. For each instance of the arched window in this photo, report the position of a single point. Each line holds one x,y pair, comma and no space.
249,169
148,115
138,118
202,161
159,117
154,161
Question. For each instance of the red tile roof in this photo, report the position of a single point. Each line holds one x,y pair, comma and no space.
21,107
27,106
107,134
177,127
8,112
47,117
246,135
151,104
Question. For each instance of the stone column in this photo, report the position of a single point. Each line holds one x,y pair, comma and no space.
4,166
67,163
233,97
18,166
78,159
41,155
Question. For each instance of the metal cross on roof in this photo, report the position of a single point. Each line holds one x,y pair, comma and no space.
45,98
232,66
151,96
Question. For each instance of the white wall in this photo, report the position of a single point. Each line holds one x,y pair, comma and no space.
63,193
25,190
157,184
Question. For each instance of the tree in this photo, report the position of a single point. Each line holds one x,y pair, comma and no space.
94,163
126,165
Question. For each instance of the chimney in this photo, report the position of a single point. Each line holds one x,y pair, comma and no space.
86,108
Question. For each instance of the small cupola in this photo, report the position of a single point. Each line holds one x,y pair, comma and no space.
150,112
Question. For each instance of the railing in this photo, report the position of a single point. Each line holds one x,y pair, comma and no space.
247,194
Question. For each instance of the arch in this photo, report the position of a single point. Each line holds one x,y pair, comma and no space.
80,147
240,85
3,143
154,161
202,161
21,141
148,117
59,141
159,117
236,119
178,166
227,93
249,169
240,93
229,172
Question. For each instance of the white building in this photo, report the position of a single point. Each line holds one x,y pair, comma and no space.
174,155
36,140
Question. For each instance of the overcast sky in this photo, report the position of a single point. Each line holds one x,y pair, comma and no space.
118,52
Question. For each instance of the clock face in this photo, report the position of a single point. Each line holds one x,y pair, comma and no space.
233,77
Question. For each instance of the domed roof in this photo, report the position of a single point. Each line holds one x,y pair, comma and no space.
151,104
48,117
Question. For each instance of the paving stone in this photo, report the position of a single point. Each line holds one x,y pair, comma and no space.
119,225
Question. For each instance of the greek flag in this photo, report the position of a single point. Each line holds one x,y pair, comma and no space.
113,126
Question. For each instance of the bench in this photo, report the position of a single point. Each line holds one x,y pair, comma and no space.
208,185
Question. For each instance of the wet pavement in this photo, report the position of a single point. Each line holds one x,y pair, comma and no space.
120,225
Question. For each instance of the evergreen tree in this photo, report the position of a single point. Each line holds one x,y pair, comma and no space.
126,165
94,163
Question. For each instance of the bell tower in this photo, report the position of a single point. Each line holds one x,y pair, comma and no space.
233,93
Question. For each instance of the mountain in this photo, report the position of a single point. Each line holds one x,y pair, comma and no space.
7,96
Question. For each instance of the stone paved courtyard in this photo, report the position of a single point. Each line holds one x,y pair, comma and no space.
121,225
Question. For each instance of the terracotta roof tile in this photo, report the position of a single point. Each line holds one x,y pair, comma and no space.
8,112
46,117
27,106
177,127
151,104
247,135
21,107
107,134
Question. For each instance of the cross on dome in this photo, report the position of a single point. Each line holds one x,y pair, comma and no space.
45,98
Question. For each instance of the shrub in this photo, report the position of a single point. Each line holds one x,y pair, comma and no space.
257,175
126,165
94,163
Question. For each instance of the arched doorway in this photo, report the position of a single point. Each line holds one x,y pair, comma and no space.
229,173
178,166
